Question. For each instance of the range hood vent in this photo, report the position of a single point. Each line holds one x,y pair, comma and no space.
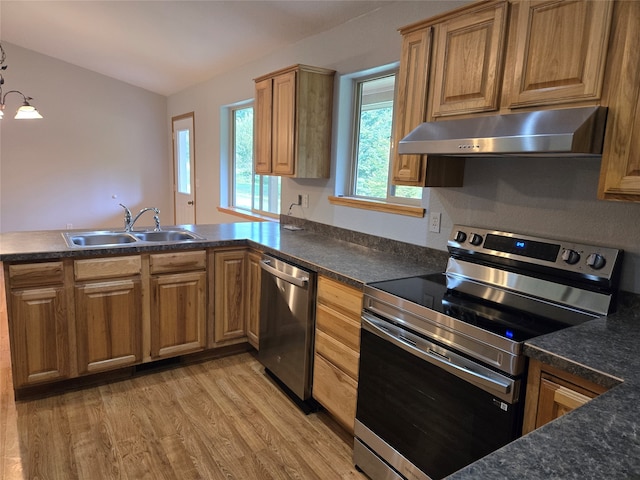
574,132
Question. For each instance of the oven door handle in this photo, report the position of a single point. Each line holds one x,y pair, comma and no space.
378,328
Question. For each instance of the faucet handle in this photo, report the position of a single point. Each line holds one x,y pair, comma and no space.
127,217
156,218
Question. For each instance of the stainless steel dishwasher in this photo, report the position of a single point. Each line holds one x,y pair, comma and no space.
287,327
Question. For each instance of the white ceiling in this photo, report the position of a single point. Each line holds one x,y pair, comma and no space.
166,46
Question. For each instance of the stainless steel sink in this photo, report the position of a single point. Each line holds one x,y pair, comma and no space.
166,236
98,239
116,238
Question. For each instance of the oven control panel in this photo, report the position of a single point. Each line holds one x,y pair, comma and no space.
597,261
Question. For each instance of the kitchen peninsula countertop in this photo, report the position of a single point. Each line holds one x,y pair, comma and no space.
598,440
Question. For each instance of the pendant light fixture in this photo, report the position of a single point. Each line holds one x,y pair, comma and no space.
26,110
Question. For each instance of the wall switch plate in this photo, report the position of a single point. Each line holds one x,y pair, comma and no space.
434,222
305,200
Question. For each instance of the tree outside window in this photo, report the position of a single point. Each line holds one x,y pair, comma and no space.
372,142
251,192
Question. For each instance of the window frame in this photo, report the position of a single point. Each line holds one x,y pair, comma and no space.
391,197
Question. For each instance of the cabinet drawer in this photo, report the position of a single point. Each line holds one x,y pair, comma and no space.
344,329
97,268
338,296
177,262
336,392
341,356
36,274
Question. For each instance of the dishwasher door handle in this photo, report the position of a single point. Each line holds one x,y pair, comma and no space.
297,281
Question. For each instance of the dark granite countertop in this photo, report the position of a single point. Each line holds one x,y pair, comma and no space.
598,440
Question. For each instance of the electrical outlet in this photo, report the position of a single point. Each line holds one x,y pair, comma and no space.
434,222
69,226
305,200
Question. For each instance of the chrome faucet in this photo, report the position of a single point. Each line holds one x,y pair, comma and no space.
129,220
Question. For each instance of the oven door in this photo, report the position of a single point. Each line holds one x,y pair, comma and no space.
425,410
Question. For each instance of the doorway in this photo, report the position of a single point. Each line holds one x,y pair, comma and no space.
183,136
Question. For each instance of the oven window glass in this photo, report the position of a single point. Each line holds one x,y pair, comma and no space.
437,421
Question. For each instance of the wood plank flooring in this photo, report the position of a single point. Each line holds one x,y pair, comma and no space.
220,419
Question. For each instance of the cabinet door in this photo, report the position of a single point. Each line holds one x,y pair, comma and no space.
253,293
552,392
620,171
468,58
230,302
39,335
555,400
283,131
560,51
108,324
178,313
262,126
411,104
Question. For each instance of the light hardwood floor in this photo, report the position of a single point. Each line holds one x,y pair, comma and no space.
220,419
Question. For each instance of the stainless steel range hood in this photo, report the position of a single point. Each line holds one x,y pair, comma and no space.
574,132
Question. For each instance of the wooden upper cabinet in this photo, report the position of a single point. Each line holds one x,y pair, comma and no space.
283,126
560,49
411,104
620,171
292,122
468,60
262,126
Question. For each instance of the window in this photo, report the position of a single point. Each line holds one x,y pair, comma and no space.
183,149
254,193
371,169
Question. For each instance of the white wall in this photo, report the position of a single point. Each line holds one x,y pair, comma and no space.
99,137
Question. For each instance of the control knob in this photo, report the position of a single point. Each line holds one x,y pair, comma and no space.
476,239
460,236
596,261
570,256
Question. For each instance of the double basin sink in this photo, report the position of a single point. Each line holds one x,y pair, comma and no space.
115,238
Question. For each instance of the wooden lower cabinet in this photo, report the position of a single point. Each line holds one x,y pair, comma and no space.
178,314
178,303
230,306
254,279
39,335
108,312
337,349
552,392
108,324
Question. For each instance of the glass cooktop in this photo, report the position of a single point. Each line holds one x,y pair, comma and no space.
503,319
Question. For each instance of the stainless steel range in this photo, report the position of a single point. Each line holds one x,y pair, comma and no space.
442,373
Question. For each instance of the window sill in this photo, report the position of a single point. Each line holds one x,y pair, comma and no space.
254,217
378,206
